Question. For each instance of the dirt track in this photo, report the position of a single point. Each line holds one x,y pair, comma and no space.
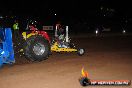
106,58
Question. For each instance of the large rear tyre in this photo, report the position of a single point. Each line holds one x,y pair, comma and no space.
37,48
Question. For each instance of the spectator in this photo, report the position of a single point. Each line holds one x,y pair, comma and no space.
16,30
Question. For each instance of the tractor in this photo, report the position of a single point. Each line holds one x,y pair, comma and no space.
6,47
37,45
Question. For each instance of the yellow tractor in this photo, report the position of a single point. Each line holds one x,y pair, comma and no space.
37,45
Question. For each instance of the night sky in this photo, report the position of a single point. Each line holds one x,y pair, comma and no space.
89,11
63,8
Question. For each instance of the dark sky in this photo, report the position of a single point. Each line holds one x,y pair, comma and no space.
71,12
63,7
71,9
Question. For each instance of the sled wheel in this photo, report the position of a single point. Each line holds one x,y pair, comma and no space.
80,52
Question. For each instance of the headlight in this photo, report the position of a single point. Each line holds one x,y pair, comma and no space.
124,31
96,31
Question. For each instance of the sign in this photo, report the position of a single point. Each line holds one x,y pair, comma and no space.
47,27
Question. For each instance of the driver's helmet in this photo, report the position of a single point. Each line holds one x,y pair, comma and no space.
58,25
33,23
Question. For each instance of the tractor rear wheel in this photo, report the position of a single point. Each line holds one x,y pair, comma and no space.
37,48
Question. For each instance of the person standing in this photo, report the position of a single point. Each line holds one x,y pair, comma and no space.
16,30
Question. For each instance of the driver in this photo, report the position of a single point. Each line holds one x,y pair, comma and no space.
61,35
